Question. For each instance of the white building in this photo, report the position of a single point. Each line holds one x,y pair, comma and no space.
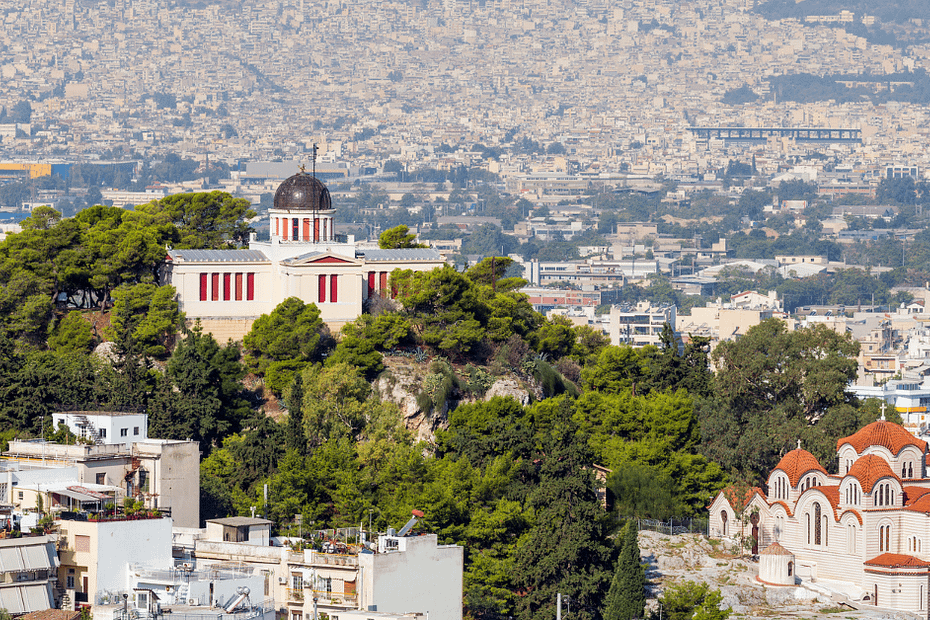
228,289
641,325
864,526
105,427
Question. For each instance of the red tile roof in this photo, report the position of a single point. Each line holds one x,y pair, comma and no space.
785,506
869,469
855,513
797,463
912,494
882,433
896,560
737,503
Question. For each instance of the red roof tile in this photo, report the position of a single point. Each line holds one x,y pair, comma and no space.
775,549
783,505
912,494
737,503
922,504
882,433
855,513
869,469
797,463
896,560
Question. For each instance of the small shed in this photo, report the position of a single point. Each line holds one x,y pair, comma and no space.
776,566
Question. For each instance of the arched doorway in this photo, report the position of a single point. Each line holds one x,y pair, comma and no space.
723,518
754,519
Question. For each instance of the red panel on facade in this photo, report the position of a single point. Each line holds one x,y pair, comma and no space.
203,287
226,286
238,287
334,288
316,229
306,236
322,292
383,287
215,287
371,283
330,259
283,228
249,286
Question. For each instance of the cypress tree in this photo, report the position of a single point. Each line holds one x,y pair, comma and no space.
626,598
294,437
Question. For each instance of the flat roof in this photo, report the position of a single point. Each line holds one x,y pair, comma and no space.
239,521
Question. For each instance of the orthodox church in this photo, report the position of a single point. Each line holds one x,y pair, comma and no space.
304,257
864,525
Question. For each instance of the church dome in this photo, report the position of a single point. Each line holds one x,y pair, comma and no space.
882,433
797,463
869,469
302,192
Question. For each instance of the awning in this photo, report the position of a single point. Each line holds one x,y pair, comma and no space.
11,561
89,492
36,557
25,598
80,497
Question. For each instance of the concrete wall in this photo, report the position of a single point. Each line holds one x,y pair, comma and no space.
421,577
175,471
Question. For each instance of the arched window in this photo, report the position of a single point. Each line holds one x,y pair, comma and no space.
904,470
723,518
808,515
910,470
790,569
817,526
884,538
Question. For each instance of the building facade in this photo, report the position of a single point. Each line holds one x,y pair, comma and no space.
226,290
864,525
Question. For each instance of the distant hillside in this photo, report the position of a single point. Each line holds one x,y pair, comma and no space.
899,23
890,11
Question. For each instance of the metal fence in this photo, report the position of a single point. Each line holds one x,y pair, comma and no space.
673,527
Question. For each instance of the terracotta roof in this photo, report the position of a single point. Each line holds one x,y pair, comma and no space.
855,513
882,433
922,504
833,496
896,560
775,549
785,506
797,463
912,494
52,614
870,469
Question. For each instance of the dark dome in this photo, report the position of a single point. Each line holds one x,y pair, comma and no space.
302,192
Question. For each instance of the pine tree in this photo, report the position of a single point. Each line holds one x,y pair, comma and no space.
626,598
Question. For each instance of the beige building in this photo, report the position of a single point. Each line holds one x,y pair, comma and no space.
163,473
228,289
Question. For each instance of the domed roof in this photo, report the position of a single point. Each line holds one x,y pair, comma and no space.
882,433
302,192
869,469
797,463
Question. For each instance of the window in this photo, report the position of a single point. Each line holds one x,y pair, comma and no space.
297,581
82,543
142,600
322,292
20,494
135,430
250,287
124,432
295,224
215,287
238,287
69,582
333,289
101,478
103,433
203,287
817,519
227,293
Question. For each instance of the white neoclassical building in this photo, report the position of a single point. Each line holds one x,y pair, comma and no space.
304,257
867,525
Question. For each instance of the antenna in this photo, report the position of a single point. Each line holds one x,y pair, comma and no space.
314,159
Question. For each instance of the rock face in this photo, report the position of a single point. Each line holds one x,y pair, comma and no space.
508,388
402,382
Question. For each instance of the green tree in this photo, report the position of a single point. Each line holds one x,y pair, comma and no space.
626,598
203,219
566,550
293,331
689,601
72,334
295,439
397,238
145,319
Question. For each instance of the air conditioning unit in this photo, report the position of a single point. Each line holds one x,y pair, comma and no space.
193,602
282,580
